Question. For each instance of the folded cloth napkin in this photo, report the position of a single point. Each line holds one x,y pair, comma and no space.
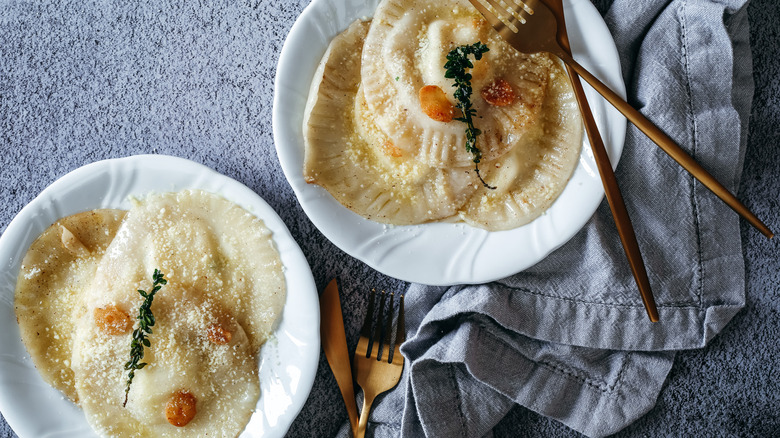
569,338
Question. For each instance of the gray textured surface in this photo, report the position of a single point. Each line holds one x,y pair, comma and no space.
206,84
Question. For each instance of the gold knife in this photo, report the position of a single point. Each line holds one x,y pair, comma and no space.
334,342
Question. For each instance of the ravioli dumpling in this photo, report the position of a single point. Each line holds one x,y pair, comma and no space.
383,135
357,162
531,176
406,50
56,270
225,290
219,377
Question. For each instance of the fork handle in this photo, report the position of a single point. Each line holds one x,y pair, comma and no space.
615,201
368,400
668,145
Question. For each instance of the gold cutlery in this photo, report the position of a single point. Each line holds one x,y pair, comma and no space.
531,27
378,363
611,187
334,342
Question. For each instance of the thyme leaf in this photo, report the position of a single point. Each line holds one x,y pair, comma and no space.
145,323
455,68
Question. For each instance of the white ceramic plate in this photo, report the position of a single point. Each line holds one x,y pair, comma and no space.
441,253
288,361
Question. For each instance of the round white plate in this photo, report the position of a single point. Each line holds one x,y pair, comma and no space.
442,253
288,362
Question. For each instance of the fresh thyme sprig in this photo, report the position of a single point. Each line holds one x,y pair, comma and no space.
145,323
457,63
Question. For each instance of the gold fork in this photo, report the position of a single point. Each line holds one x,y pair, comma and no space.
531,27
611,188
377,366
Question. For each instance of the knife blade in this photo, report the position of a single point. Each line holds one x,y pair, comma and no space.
334,343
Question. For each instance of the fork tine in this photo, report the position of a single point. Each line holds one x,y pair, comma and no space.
400,334
366,330
516,9
501,15
367,322
387,335
378,332
489,15
501,11
525,5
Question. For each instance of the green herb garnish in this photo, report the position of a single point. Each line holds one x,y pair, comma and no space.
145,323
457,63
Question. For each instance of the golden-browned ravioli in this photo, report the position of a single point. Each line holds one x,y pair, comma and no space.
382,133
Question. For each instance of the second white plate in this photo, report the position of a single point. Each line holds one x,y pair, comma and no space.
442,253
288,361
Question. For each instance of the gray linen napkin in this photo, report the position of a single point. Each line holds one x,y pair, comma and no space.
569,338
